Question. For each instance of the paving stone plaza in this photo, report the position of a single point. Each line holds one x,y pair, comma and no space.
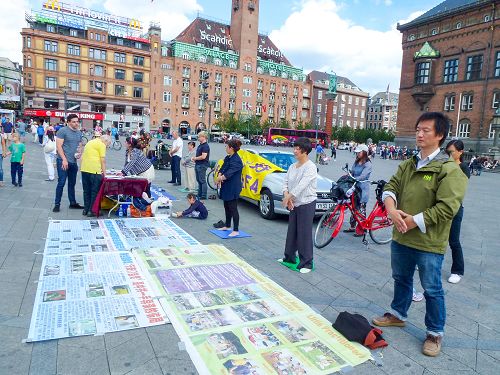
348,277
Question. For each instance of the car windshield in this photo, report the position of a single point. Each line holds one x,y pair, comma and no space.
284,161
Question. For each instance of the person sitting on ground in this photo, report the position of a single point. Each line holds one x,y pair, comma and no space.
196,210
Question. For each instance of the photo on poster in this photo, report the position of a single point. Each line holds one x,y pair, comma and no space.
225,344
126,322
169,251
208,319
244,366
239,294
209,299
250,312
120,290
94,224
99,248
82,327
321,356
51,270
284,363
153,263
186,302
54,295
176,261
260,337
293,331
95,290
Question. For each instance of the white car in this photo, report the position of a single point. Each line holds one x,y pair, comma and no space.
271,194
343,146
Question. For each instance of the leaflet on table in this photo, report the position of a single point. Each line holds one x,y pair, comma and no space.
91,293
80,236
235,320
145,233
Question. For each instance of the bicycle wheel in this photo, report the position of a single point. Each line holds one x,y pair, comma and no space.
211,180
117,145
327,226
381,232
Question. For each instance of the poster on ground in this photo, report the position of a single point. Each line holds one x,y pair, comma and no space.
235,320
90,294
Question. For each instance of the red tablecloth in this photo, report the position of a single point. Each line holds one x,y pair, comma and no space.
116,186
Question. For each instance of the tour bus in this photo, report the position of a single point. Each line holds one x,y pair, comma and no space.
283,136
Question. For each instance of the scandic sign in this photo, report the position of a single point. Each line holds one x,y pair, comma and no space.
57,113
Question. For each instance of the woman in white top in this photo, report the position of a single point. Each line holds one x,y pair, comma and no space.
299,196
49,150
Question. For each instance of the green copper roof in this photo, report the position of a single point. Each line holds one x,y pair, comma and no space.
426,52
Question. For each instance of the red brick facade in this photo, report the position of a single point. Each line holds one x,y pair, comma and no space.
469,37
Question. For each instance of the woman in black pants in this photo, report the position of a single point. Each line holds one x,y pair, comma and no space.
455,149
229,179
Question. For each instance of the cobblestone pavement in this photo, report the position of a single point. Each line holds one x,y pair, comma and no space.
348,276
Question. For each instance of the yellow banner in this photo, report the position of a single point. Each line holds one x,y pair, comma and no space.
255,169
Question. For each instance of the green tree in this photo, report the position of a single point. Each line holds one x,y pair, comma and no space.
228,122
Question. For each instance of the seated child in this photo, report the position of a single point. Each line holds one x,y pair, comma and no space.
196,209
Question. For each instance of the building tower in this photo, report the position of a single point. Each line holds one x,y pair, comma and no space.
245,30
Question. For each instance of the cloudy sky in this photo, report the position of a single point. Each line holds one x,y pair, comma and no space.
355,38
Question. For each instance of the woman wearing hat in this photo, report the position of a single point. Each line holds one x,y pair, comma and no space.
361,170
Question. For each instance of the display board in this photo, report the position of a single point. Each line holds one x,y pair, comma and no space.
234,320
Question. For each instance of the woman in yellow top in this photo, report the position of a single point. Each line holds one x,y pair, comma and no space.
93,168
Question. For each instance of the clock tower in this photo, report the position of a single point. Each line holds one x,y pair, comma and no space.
245,30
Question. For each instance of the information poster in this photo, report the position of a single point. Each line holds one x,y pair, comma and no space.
234,320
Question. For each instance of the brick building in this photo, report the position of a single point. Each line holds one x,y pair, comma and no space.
451,63
348,108
243,73
77,60
382,111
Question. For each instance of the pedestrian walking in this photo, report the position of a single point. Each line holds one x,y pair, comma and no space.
33,130
3,152
7,130
40,132
319,151
50,153
333,148
93,169
421,200
189,165
17,150
229,180
68,148
176,154
455,149
299,197
202,161
21,129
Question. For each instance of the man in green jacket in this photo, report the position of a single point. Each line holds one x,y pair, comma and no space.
421,200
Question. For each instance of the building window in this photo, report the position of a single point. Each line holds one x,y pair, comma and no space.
361,124
167,81
363,102
138,77
73,68
497,64
320,94
120,58
458,25
186,72
97,54
247,93
350,99
449,103
357,100
119,74
434,31
318,108
51,28
99,70
28,41
98,87
73,32
48,103
139,60
51,46
137,111
119,90
185,56
334,110
137,92
167,96
422,73
74,84
248,67
232,64
464,129
119,41
355,113
185,100
348,111
474,67
362,113
73,49
450,73
496,99
467,101
98,37
217,62
232,80
119,109
247,79
491,133
218,77
50,64
50,82
138,45
28,62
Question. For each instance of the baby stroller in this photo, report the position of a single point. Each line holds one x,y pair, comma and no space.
323,159
160,156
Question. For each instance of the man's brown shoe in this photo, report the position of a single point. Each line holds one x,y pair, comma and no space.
388,320
432,345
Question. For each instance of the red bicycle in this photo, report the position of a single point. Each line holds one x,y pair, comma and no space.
377,223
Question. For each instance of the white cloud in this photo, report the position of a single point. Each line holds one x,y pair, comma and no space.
12,22
172,15
316,37
388,2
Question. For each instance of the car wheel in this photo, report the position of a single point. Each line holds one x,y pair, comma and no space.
266,205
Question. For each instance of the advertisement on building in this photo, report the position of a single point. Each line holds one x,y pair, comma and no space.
10,86
60,113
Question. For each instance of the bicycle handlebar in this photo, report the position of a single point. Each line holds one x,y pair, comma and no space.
346,169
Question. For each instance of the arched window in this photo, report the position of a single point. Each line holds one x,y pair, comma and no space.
463,129
185,56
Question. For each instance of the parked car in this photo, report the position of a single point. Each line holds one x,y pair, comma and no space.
271,194
190,137
343,146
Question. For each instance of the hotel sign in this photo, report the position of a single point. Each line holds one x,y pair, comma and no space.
216,38
270,51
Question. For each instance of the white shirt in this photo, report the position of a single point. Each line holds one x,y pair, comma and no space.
177,144
300,181
418,218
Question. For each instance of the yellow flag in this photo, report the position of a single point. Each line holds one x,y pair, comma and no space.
255,169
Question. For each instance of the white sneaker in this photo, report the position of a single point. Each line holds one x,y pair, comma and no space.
305,270
417,296
454,278
280,260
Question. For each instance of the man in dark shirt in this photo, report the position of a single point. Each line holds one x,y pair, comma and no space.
7,130
202,162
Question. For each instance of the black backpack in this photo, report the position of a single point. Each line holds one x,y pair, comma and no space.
356,328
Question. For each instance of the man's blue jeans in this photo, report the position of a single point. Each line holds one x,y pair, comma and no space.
201,178
1,167
403,262
62,175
